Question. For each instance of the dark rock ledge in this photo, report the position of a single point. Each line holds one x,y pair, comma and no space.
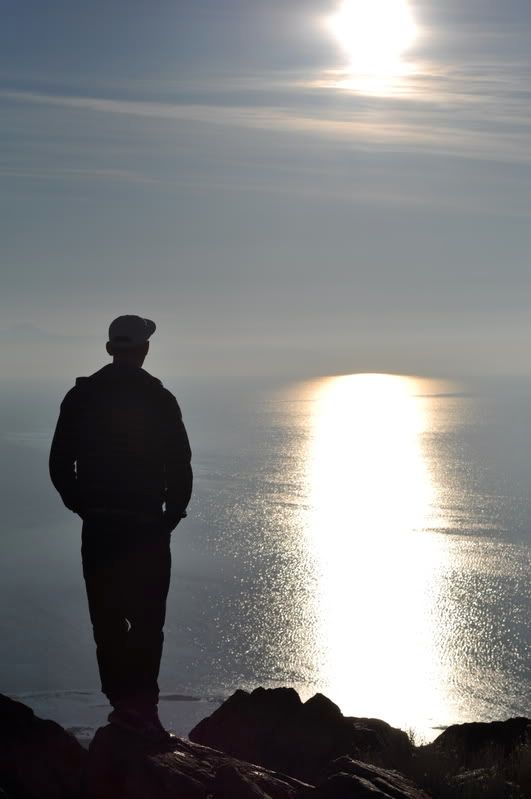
265,745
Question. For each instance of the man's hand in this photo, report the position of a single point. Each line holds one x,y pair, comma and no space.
170,520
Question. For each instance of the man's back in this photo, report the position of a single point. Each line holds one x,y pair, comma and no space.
124,432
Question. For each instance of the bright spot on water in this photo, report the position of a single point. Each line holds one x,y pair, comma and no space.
371,496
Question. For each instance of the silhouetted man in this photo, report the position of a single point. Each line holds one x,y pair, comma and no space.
120,458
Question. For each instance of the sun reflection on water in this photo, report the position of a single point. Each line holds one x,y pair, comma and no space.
372,499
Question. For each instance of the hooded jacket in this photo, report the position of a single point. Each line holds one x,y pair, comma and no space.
120,445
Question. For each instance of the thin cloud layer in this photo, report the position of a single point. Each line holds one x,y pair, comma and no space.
214,170
479,111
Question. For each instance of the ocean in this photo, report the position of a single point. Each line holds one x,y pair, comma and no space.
365,536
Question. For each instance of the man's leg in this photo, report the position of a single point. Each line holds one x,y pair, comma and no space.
103,570
148,581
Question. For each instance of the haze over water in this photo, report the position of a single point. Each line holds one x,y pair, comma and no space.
366,536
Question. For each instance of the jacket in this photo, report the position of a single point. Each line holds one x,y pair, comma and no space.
120,445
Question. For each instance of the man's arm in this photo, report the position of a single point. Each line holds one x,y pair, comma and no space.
177,464
63,454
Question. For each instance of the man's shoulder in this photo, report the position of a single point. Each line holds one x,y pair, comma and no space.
108,378
155,383
81,385
156,392
86,381
71,400
168,401
86,385
148,378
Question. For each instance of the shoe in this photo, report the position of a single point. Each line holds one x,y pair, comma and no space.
154,726
144,723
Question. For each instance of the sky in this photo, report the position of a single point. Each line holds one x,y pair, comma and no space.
282,194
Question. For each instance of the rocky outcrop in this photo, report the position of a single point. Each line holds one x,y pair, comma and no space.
37,757
475,743
478,761
352,779
274,728
277,730
482,783
39,760
121,765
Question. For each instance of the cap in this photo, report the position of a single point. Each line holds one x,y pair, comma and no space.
130,331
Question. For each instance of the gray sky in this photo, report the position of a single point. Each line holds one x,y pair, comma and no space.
221,168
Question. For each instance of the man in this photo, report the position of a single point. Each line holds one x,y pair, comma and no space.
120,458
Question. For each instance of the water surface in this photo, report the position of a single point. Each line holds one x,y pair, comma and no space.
367,536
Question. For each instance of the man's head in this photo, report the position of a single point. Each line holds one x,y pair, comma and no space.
129,339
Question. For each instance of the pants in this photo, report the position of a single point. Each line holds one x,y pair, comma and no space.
126,567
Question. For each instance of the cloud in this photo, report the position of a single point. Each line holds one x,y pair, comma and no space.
61,173
471,112
449,111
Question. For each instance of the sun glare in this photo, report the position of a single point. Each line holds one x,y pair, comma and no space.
372,505
375,35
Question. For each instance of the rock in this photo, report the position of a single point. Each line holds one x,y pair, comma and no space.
37,757
483,783
122,765
231,783
477,760
378,785
282,738
274,728
379,742
478,744
383,782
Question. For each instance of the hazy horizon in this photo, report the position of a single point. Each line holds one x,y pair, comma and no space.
33,354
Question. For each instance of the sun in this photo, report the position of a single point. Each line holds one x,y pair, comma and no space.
375,35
